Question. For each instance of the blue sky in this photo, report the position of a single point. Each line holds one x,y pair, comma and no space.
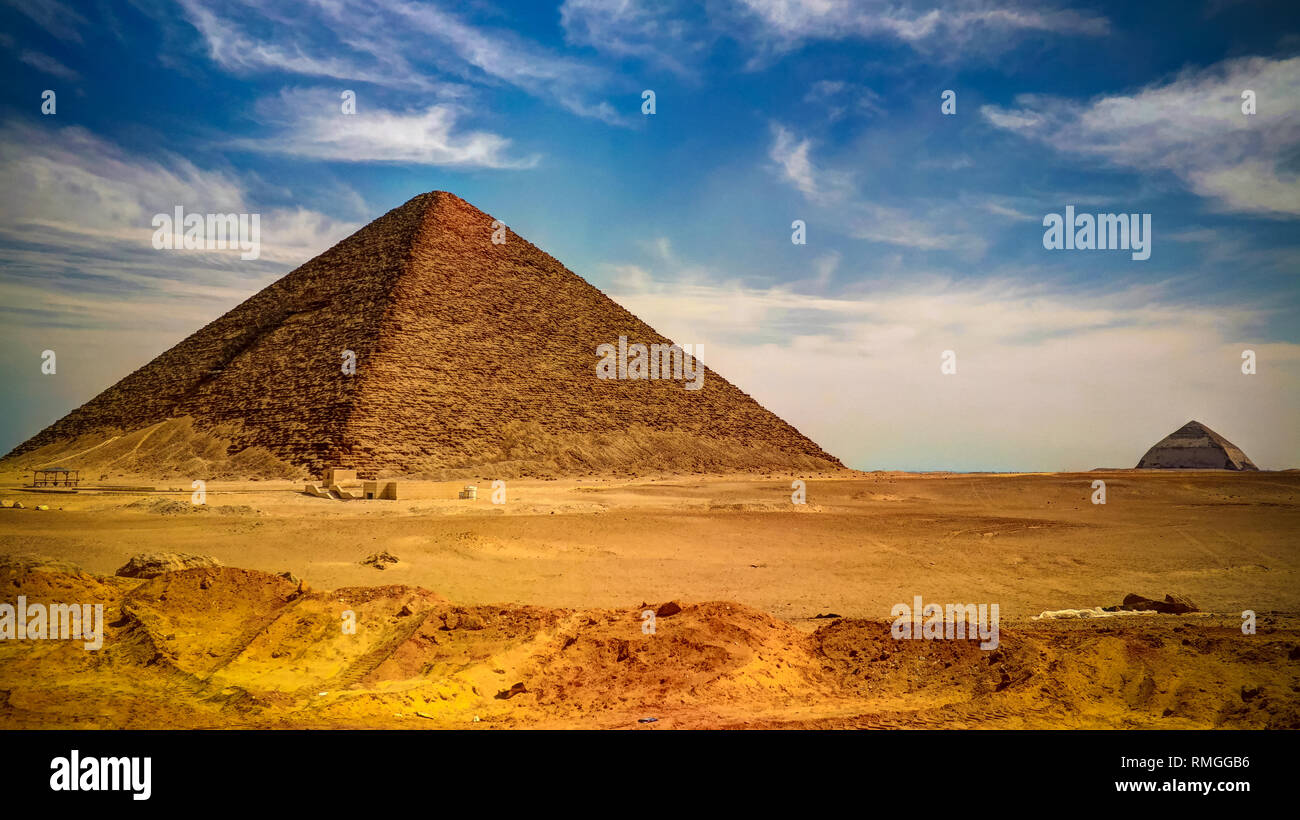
924,230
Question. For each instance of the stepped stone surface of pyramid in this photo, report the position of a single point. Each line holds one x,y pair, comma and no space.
467,353
1195,447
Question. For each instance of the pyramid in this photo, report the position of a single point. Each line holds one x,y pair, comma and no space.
467,353
1195,447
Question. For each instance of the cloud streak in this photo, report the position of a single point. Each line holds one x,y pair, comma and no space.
311,125
1048,379
1191,126
397,45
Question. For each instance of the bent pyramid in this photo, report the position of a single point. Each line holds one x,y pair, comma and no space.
1195,447
467,353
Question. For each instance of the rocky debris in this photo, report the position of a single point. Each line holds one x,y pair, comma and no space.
1171,605
507,694
462,619
236,509
669,609
820,615
380,560
166,506
153,564
23,563
289,576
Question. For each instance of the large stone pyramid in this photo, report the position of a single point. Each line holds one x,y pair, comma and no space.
467,353
1195,447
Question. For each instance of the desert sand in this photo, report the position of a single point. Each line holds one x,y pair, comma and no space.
543,596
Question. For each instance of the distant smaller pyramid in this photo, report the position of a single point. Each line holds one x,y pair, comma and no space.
1195,447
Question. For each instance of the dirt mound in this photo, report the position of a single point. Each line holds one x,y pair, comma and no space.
165,506
23,563
173,448
220,646
50,580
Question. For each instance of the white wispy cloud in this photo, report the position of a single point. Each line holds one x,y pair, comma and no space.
399,45
922,227
661,32
1191,126
79,274
83,211
674,34
957,23
56,17
791,156
311,124
43,62
1037,385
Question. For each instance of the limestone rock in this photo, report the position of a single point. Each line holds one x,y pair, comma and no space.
153,564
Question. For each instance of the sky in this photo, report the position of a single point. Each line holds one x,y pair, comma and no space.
924,230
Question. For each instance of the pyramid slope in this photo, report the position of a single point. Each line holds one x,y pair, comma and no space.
467,353
1195,447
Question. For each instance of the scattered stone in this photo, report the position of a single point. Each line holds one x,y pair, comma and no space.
235,509
290,577
668,609
827,615
1171,605
405,611
166,506
1181,601
647,720
507,694
379,560
153,564
1248,694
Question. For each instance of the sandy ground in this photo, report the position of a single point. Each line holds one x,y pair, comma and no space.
545,591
